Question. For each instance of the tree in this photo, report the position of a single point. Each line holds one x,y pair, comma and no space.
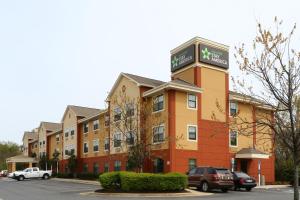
7,149
72,163
55,159
133,121
275,65
43,162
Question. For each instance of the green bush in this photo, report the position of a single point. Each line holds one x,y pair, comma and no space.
130,181
110,180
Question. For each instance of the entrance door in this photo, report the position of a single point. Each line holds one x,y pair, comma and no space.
158,165
244,166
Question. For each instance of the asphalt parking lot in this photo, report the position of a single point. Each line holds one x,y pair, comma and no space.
57,190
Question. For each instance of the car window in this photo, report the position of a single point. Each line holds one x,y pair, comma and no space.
223,171
241,175
211,171
200,171
193,171
35,169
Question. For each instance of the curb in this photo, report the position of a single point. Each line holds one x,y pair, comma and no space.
77,181
268,187
190,193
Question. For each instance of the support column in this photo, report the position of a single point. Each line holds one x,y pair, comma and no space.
30,164
13,167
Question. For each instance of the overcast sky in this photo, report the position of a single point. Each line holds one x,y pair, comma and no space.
55,53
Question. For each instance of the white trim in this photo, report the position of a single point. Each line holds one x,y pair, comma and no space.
237,138
252,155
107,138
187,101
188,135
158,111
114,140
164,134
84,153
250,101
237,108
98,145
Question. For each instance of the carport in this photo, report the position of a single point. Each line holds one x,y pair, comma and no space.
13,161
249,161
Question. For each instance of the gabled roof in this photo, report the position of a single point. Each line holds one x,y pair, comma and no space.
93,117
176,84
80,111
250,153
29,135
51,126
138,80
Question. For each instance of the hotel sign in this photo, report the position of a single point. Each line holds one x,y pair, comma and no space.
213,56
183,58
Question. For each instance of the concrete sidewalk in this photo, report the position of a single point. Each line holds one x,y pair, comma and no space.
78,181
266,187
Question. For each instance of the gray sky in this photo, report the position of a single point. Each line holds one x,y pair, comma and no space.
55,53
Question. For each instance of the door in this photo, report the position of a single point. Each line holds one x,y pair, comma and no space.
158,165
35,173
244,166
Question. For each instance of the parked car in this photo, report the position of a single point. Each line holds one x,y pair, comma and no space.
3,173
243,180
30,173
208,178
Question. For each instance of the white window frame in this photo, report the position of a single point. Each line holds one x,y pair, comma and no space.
117,133
87,147
188,135
237,108
134,138
153,99
237,138
187,101
83,127
57,137
164,134
96,140
106,141
119,113
97,121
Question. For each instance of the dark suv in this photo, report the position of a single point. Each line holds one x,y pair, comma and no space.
207,178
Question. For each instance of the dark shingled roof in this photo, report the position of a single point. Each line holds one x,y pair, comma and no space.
144,81
84,111
50,126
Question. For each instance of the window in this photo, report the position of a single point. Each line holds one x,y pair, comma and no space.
57,137
158,134
158,165
130,137
44,142
129,110
192,133
117,165
72,132
158,103
85,127
66,134
85,147
72,151
40,143
192,101
96,145
233,138
96,168
117,139
85,168
106,144
117,114
192,163
106,120
233,108
66,152
106,167
96,124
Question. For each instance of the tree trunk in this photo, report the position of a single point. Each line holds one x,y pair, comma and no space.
296,182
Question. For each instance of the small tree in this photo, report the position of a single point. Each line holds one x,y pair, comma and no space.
275,66
55,159
72,163
43,162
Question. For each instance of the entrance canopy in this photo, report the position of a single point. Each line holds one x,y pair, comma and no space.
250,153
21,159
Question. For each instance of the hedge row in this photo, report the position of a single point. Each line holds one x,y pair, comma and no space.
130,181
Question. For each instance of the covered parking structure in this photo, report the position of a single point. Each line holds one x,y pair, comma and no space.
25,161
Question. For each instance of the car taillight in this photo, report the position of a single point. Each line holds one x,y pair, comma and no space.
242,181
215,177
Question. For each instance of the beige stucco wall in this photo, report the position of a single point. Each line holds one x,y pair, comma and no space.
25,145
184,117
55,145
240,124
186,75
213,85
264,136
100,134
42,132
70,123
132,92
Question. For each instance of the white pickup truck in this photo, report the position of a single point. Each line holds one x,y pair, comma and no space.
30,173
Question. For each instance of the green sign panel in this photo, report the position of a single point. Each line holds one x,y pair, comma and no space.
213,56
183,58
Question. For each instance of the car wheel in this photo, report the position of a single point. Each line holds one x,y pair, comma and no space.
46,176
21,178
224,190
248,189
204,187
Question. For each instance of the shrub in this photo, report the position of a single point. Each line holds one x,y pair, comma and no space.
130,181
110,180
